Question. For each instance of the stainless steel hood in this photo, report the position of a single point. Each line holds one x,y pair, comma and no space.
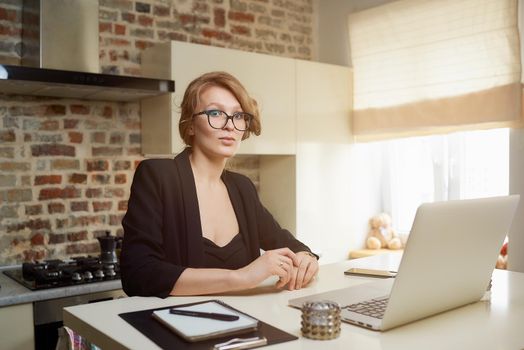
60,57
91,86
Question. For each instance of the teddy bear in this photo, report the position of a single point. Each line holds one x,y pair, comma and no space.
502,260
381,234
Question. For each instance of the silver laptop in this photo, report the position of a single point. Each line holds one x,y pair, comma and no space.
447,262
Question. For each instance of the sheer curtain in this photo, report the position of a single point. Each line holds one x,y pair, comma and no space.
460,165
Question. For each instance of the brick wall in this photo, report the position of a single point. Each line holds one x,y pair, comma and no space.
66,165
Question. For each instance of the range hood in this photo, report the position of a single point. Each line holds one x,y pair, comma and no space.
60,57
70,84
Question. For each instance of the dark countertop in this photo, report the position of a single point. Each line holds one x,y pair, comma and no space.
12,292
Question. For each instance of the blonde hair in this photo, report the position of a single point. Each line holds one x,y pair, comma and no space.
223,80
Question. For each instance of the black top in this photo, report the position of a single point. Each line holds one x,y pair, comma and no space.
162,229
231,256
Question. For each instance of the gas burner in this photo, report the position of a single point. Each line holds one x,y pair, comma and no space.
61,273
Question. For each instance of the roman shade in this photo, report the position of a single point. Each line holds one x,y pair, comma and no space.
432,66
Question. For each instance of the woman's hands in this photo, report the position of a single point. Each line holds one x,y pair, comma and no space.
293,270
277,262
304,272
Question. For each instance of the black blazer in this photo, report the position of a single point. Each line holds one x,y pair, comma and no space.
162,230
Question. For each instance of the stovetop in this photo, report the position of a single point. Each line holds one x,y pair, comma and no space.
62,273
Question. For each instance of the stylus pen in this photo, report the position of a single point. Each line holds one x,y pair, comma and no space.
212,315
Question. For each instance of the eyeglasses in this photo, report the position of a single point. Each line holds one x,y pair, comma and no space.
217,119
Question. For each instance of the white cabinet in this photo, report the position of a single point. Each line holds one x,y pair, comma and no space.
268,79
16,327
313,193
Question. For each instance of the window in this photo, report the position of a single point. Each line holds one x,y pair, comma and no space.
461,165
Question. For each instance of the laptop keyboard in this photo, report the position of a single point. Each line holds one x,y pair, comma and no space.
374,307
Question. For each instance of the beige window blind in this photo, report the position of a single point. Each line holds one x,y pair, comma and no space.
433,66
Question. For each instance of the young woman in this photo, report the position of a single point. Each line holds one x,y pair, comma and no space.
194,228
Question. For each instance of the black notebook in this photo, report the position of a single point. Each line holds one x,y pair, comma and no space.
167,338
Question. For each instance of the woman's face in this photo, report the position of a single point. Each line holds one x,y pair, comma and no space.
223,142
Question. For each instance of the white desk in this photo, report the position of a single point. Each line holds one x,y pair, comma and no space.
497,324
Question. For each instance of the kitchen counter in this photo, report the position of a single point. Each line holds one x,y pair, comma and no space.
493,324
13,293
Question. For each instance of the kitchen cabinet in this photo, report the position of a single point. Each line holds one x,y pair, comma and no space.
268,79
16,327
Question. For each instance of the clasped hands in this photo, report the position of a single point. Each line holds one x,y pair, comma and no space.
294,270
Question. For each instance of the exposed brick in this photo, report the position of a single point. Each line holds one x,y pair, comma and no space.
34,255
120,179
61,223
93,193
9,211
116,138
240,30
219,17
7,14
65,164
12,166
17,111
216,34
77,236
143,44
133,151
98,137
97,165
35,209
47,179
16,195
56,238
106,112
7,180
37,239
241,16
70,123
77,178
121,165
161,11
120,29
122,205
101,179
142,33
142,7
7,152
102,206
56,192
128,17
118,42
49,125
79,109
55,110
83,248
114,192
107,151
87,220
37,224
7,136
52,150
55,207
105,27
115,219
145,21
75,137
79,206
